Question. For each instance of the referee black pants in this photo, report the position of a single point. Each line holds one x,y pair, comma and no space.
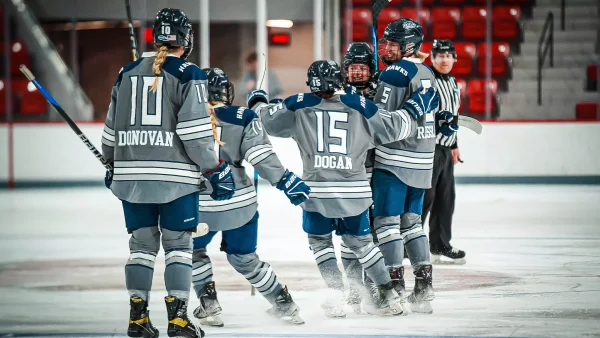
439,200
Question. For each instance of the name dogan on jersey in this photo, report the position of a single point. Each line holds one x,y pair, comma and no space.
333,162
145,137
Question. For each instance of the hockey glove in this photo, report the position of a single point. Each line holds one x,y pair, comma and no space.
256,96
221,181
108,178
445,122
421,102
294,188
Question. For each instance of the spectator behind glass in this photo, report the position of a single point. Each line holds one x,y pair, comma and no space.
252,76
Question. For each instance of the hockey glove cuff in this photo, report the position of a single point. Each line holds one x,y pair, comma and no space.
421,102
221,181
294,188
445,122
256,96
108,178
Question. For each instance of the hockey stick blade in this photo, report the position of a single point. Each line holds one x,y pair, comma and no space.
131,31
29,75
470,123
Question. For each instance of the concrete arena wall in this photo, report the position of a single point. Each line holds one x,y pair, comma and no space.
49,154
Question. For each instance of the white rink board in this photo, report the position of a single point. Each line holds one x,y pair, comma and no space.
51,152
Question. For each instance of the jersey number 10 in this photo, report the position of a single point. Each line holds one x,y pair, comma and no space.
149,117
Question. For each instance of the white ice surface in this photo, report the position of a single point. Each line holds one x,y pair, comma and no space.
538,246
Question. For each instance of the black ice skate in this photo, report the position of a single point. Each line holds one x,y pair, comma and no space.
209,310
139,320
179,324
388,302
285,308
451,256
397,277
422,293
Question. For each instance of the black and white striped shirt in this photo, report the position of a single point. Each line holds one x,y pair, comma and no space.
450,101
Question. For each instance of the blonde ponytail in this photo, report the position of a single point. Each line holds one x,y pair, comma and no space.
159,59
422,56
213,123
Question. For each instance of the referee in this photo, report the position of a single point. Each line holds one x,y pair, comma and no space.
439,200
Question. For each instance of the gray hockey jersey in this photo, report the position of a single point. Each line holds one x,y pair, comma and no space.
333,136
243,138
160,142
411,160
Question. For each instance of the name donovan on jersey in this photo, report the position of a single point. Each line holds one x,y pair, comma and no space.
145,137
333,162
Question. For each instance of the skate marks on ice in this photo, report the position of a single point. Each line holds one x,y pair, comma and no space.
107,274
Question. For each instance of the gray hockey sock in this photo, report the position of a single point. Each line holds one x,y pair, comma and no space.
178,261
201,271
324,254
144,244
417,245
369,257
258,273
390,240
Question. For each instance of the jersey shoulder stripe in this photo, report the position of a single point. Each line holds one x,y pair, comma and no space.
240,116
182,70
399,74
359,103
302,100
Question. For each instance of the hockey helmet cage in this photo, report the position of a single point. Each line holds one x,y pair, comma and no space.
173,28
325,76
443,47
407,33
359,52
219,86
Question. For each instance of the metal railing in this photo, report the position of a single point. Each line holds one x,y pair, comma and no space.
545,45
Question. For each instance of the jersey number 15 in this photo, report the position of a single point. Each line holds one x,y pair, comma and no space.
334,132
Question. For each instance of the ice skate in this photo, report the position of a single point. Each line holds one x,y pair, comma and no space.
452,256
209,310
139,320
385,302
285,308
354,300
422,295
334,304
180,325
397,277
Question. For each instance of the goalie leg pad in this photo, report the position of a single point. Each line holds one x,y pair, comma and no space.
144,244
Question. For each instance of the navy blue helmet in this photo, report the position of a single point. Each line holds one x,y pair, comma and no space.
361,53
219,86
407,33
173,28
325,76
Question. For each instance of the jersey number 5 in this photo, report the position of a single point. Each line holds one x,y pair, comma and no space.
334,132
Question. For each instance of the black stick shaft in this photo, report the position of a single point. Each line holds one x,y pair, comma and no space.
131,31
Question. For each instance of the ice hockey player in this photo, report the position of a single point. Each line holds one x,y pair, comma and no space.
240,136
158,137
403,169
334,130
359,70
441,197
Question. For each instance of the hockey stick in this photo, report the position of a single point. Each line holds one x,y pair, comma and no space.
378,6
470,123
131,31
64,115
252,288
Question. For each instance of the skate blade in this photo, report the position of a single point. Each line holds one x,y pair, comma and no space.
212,321
421,307
295,319
443,260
